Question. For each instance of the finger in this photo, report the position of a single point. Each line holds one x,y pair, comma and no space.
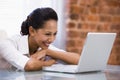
43,59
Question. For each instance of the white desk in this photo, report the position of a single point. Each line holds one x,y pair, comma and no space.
110,73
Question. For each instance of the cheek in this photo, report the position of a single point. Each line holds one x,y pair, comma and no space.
40,39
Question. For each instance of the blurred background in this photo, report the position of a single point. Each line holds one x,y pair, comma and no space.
76,19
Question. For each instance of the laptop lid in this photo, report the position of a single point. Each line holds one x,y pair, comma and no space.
96,51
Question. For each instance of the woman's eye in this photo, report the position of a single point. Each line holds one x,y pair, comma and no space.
55,34
48,34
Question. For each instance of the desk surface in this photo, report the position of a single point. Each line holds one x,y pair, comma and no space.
110,73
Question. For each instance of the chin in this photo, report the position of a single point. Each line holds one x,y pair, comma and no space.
45,47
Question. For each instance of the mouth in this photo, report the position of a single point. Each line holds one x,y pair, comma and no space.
46,44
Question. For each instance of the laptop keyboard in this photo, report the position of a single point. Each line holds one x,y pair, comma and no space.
59,67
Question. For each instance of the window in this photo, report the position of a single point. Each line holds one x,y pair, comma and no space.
14,12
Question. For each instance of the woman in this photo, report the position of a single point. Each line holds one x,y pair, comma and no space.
29,50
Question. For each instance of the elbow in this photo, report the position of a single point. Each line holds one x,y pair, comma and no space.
77,60
33,65
29,67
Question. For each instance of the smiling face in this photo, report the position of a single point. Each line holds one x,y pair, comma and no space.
43,37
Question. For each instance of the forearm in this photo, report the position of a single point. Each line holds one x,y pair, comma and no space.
68,57
34,64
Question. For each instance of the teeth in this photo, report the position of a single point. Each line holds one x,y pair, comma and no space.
47,44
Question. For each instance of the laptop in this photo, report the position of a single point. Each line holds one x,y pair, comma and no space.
94,56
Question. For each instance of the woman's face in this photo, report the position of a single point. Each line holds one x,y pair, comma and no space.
45,36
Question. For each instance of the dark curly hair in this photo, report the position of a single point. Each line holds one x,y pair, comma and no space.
37,18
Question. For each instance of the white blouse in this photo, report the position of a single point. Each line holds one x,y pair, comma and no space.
13,52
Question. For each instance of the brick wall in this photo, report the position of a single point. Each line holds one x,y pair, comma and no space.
92,16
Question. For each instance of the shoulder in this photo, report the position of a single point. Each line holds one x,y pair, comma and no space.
18,37
14,40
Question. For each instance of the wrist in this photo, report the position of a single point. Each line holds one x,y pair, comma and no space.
48,52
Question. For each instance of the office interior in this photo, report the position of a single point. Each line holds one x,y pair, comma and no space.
76,19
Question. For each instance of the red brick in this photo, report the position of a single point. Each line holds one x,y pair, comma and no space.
79,43
115,27
92,2
71,25
106,26
74,16
79,26
93,10
82,17
117,10
117,42
72,34
94,18
73,1
103,28
85,26
82,35
92,26
70,43
105,18
82,2
116,19
118,34
75,9
112,59
113,3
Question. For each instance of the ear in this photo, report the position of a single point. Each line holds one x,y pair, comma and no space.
31,31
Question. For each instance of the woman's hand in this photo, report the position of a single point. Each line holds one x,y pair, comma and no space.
40,55
49,62
34,64
37,61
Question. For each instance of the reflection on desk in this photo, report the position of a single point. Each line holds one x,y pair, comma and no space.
111,73
81,76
